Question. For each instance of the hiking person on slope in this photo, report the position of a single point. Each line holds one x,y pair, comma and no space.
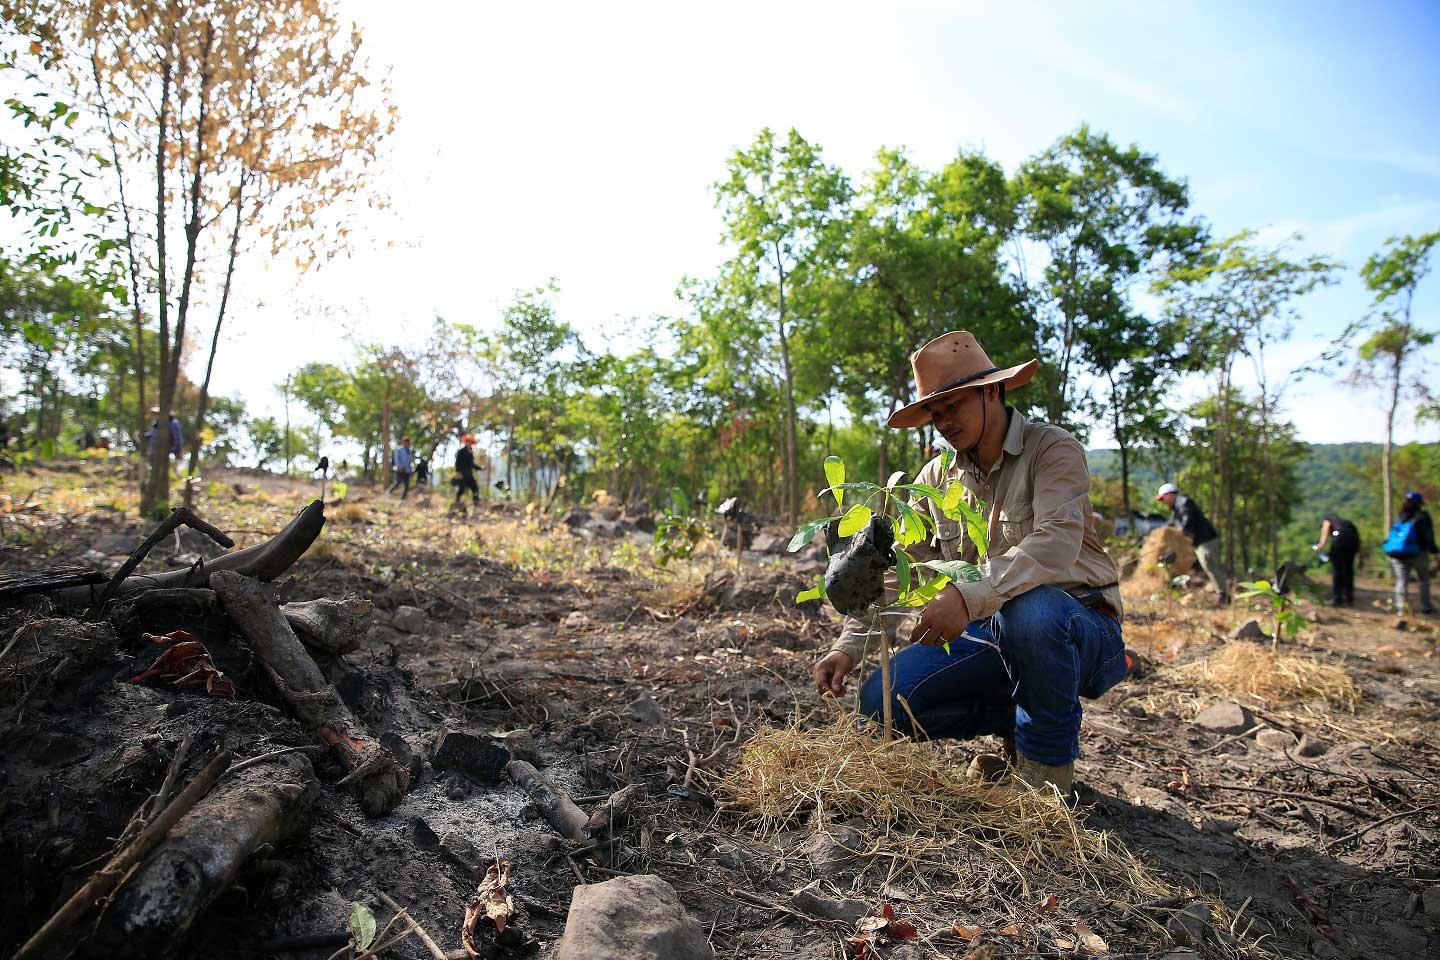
1186,514
1340,541
1411,549
465,473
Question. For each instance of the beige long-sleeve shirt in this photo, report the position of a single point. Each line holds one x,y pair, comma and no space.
1039,522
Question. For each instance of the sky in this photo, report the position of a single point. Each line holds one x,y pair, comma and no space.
579,142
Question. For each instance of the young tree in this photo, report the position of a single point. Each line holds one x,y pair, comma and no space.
1392,276
254,114
781,204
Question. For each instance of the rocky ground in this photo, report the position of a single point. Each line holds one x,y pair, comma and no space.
1297,828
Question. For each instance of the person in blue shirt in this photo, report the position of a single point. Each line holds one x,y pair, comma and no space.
403,461
1417,555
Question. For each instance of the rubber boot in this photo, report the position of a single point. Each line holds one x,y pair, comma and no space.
993,767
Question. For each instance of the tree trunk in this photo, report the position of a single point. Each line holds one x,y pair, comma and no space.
1386,479
792,467
157,488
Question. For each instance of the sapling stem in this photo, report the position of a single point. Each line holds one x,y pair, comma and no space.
885,695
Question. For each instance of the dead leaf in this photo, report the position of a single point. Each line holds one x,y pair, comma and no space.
1049,904
492,899
968,933
186,662
1089,940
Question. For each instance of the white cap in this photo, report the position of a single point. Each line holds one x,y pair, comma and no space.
1166,488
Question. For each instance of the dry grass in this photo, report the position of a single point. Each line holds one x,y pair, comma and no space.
923,812
1243,668
1150,577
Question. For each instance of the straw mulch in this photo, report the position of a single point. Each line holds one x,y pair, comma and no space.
922,812
1243,668
1149,576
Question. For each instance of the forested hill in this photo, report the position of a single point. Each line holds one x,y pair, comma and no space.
1342,478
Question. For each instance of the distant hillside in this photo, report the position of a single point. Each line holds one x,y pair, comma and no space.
1338,478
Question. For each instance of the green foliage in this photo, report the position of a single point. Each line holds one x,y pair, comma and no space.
361,926
677,532
1283,606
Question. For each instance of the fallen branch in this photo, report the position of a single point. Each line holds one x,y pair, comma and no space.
1302,797
1380,823
154,910
180,516
109,876
329,626
554,804
420,933
380,779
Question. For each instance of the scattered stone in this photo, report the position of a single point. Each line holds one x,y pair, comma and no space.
1312,746
834,851
401,750
425,838
575,517
1225,717
577,620
811,901
1181,954
649,711
460,851
607,511
631,918
1249,630
408,619
1430,902
523,745
1190,925
478,758
769,543
1274,741
94,557
1326,950
1223,825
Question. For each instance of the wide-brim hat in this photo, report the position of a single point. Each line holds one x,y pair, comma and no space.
952,362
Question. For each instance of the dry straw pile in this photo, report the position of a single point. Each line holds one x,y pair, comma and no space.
1243,668
1150,576
923,812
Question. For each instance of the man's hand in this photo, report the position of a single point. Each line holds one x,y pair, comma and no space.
944,619
829,672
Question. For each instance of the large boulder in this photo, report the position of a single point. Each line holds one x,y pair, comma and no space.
631,918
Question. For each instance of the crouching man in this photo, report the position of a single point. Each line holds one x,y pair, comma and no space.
1042,629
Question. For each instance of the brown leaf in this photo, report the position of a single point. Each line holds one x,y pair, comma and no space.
1049,904
1089,940
968,933
492,899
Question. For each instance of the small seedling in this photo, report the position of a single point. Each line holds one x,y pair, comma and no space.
1283,610
919,582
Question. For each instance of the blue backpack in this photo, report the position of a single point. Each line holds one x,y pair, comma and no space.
1403,540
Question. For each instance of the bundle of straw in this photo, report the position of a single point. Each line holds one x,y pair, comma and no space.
921,811
1244,668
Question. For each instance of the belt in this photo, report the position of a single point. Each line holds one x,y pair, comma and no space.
1093,598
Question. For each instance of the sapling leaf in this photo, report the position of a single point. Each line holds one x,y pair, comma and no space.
895,478
902,571
925,490
947,459
911,528
950,505
807,533
835,476
854,520
926,592
362,927
813,593
958,571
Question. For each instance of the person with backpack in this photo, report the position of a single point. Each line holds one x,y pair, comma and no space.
1411,547
1186,514
1340,541
465,472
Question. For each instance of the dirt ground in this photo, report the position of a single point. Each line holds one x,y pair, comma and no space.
605,669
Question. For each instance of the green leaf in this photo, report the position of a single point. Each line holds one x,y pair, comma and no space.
835,475
957,570
814,593
925,490
926,592
362,926
902,571
855,519
807,533
895,478
947,459
912,525
954,497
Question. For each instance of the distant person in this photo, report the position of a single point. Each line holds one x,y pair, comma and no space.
465,472
149,435
401,461
177,438
1340,542
422,472
1411,549
1186,514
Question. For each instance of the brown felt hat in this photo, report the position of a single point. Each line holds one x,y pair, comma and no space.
952,362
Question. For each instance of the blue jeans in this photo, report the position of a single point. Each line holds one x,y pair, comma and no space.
1022,676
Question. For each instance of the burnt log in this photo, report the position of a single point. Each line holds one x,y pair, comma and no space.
553,803
379,779
329,626
252,808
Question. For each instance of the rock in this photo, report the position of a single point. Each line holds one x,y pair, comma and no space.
1312,746
523,745
577,620
1326,950
478,758
1274,741
607,511
1249,630
834,851
810,900
631,918
609,529
401,750
1430,902
769,543
462,852
93,557
408,619
1225,717
649,711
425,838
1190,925
1181,954
575,517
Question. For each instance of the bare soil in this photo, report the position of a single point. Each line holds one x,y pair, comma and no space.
558,643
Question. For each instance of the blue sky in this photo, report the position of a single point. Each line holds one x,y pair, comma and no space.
579,141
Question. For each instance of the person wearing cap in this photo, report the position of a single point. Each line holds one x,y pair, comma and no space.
1186,514
465,472
402,460
1041,629
1411,549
